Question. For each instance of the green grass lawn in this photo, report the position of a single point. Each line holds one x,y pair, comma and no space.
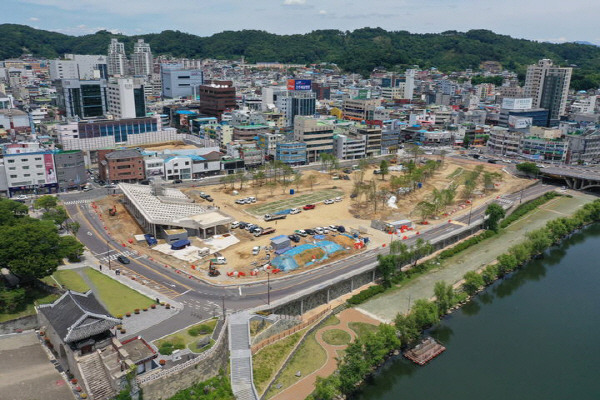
118,298
336,337
362,328
309,357
294,201
189,337
221,390
34,297
267,361
69,279
332,320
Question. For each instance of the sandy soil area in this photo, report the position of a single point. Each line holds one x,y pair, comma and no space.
351,213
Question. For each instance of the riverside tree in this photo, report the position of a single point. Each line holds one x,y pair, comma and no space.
495,213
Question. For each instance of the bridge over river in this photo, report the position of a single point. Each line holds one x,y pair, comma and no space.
579,178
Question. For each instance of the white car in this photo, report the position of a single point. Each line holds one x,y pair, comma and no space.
338,199
235,224
295,211
255,250
319,230
240,201
328,201
250,200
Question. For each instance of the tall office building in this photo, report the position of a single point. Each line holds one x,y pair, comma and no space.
83,99
78,66
117,60
548,86
142,59
178,82
217,97
126,98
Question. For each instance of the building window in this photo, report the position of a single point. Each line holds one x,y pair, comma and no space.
13,176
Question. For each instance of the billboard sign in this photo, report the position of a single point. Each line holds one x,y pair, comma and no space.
50,169
510,103
299,84
519,122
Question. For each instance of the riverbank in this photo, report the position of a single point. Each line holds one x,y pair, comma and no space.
399,299
531,329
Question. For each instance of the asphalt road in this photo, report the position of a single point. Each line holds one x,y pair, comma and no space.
202,299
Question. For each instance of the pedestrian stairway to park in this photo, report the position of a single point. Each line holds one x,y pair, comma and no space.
241,357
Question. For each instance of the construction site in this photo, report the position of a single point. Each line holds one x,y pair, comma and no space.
364,204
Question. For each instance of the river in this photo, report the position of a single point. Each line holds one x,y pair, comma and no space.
533,335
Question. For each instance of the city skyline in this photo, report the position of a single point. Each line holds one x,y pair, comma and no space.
513,18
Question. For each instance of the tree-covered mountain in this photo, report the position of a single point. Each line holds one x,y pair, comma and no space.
358,51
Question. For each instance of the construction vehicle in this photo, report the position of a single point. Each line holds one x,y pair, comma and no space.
212,270
112,211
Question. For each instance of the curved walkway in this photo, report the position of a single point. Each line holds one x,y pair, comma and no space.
306,385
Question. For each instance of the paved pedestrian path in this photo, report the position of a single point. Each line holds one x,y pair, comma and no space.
240,357
306,385
386,306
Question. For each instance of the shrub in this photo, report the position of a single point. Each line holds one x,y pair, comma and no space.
473,281
128,314
489,274
120,316
200,330
366,294
145,309
466,244
153,306
137,311
527,207
12,300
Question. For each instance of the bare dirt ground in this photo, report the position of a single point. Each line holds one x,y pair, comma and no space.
351,213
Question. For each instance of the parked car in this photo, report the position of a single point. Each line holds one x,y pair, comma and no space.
250,226
337,199
235,224
255,229
242,225
309,207
377,172
328,201
177,181
123,260
241,201
210,199
294,238
347,171
295,211
300,232
319,230
255,250
310,231
250,199
332,227
111,186
341,229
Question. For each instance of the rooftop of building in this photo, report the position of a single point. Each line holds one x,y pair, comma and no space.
119,154
172,207
77,316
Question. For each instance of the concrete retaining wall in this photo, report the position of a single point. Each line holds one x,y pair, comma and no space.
164,384
23,323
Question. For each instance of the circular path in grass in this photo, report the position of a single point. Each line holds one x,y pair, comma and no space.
336,337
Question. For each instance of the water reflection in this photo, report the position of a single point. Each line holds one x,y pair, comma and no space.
442,333
471,308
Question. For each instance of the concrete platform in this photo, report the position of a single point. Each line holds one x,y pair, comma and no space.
26,372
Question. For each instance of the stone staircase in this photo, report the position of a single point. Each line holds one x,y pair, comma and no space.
241,357
95,377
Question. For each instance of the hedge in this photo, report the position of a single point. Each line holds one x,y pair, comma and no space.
366,294
466,244
527,207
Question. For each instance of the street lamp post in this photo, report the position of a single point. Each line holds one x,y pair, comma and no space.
268,288
108,255
470,211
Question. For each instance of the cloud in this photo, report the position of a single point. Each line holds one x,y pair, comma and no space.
322,12
294,2
34,19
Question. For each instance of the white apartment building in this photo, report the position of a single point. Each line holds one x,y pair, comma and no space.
548,85
142,58
126,97
117,60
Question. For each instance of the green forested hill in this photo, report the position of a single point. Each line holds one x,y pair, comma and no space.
357,51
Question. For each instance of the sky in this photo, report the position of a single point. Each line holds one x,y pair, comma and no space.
543,20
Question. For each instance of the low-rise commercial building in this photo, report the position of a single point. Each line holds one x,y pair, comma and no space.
121,165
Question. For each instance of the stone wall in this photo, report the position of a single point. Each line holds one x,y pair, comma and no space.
163,384
23,323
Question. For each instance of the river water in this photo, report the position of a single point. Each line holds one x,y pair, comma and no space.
533,335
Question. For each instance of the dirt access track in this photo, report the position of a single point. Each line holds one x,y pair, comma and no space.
351,213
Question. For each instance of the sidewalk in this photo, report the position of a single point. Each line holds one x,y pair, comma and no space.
386,306
306,385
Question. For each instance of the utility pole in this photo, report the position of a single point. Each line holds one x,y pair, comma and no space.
223,300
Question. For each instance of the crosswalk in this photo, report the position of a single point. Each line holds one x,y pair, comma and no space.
83,201
114,256
502,200
206,306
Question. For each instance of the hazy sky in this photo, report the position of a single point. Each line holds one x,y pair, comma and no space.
544,20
